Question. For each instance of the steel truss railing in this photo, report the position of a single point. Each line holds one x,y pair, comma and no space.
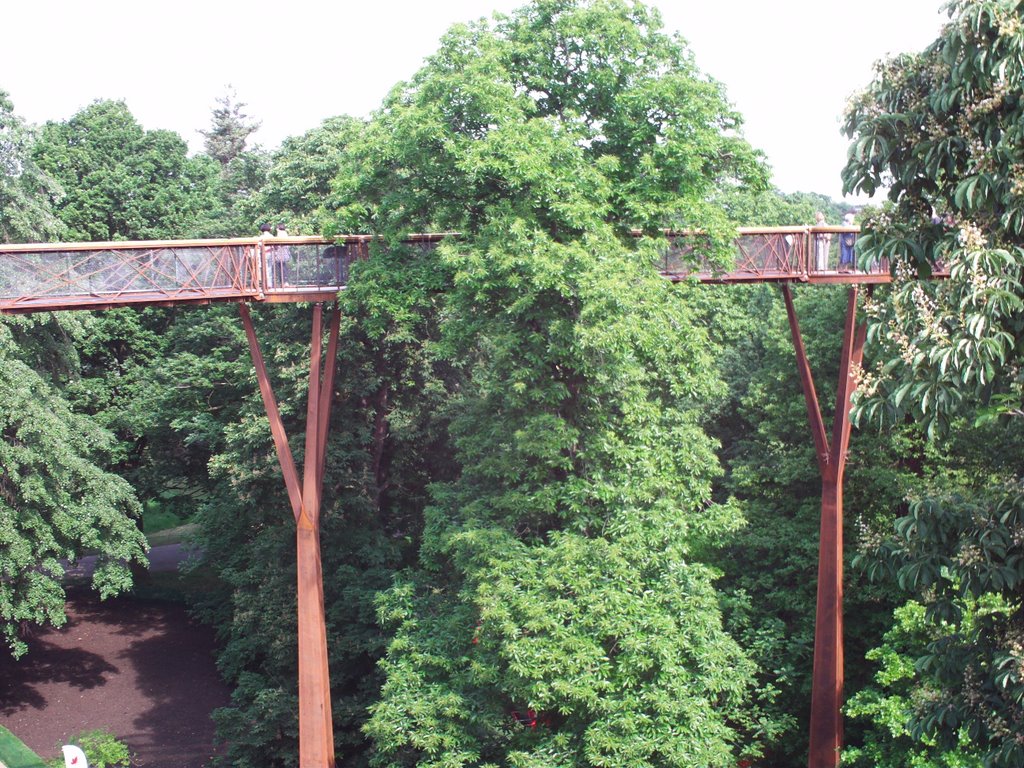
776,254
80,275
37,277
56,276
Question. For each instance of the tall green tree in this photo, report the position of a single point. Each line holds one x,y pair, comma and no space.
120,182
944,129
243,169
559,613
230,128
56,499
614,89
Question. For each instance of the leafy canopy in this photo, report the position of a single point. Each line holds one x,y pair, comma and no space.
56,501
945,130
564,114
558,572
122,181
26,191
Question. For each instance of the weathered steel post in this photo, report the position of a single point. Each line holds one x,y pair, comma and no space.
316,733
826,727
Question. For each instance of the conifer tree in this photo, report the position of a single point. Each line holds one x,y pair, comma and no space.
230,128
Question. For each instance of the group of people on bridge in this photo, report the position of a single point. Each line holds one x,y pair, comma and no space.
279,259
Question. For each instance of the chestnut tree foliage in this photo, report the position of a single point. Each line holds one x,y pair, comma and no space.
558,612
944,130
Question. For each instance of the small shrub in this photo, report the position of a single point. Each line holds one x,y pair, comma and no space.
102,750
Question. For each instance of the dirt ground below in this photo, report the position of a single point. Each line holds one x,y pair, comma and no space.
143,671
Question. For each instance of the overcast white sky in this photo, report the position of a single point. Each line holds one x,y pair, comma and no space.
788,65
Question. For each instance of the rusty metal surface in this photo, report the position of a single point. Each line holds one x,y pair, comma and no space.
40,277
69,275
316,737
775,255
62,276
826,721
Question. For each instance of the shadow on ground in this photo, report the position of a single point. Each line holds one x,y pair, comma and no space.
141,670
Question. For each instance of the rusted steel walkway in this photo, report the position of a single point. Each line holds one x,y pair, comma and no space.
42,277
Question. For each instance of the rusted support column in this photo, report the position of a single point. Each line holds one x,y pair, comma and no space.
807,383
311,464
826,726
316,733
284,452
326,393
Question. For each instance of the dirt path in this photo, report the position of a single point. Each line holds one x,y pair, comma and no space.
166,558
143,671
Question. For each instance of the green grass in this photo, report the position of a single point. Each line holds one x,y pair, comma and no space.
14,753
156,518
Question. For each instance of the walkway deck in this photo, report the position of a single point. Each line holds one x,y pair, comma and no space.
40,277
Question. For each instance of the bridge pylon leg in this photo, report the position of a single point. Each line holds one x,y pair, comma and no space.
826,723
316,732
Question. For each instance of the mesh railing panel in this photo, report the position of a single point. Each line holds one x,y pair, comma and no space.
127,274
81,275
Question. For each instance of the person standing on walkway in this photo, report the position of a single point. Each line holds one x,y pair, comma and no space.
822,241
266,234
847,240
282,259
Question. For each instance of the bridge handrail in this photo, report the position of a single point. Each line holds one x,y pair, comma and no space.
81,275
128,245
113,245
101,274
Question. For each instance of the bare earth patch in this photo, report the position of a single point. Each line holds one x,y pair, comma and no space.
143,671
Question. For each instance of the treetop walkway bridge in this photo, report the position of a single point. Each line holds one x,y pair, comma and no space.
41,277
64,276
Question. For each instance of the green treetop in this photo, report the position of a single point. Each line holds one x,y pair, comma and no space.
298,184
565,114
123,182
26,191
230,128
